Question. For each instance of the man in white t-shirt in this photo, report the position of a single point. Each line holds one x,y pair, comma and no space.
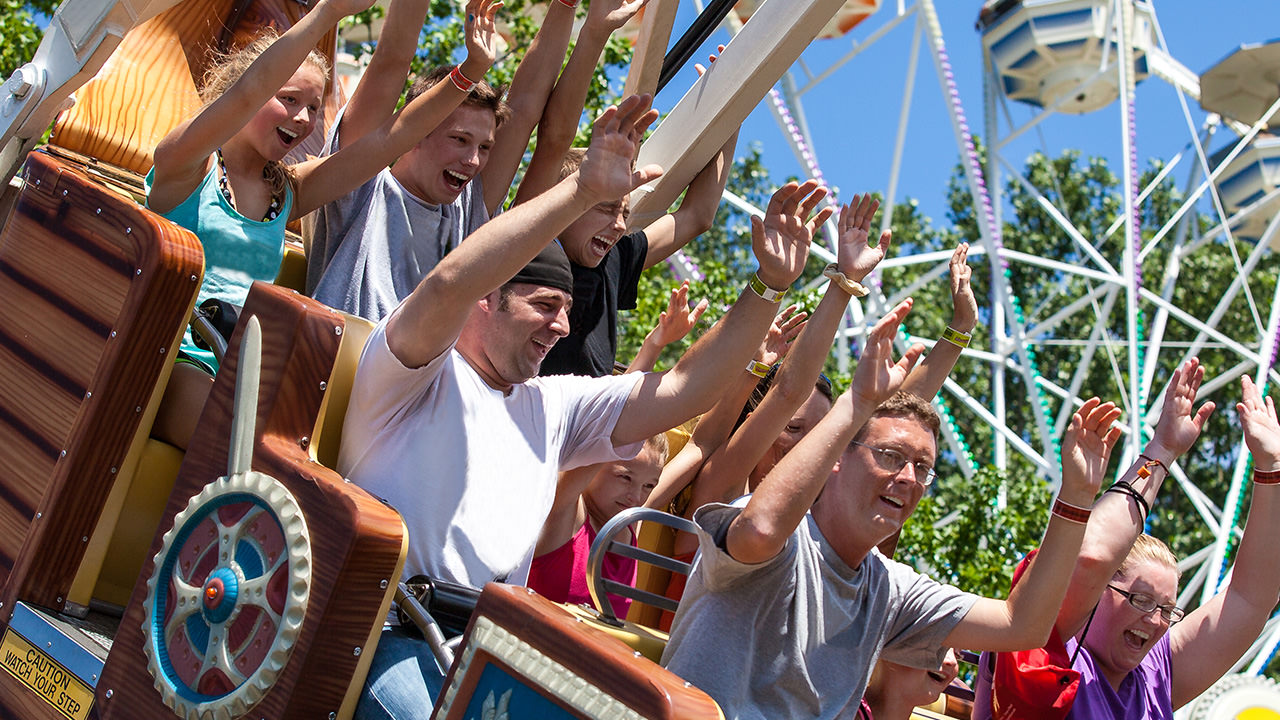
447,424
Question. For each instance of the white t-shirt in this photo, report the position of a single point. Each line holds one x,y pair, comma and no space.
472,471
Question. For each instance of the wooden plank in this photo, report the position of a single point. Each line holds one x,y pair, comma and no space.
570,653
651,47
355,539
103,245
149,84
721,99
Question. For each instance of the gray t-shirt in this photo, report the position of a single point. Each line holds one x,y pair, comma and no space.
370,248
798,635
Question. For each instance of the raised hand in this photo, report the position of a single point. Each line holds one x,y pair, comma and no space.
1180,421
781,241
606,173
1086,447
702,69
481,37
783,330
1261,430
609,15
964,312
678,319
878,376
855,258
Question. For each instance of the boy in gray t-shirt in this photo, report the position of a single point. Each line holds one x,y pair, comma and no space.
790,603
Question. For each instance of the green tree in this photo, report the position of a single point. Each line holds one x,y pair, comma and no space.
1090,194
959,534
20,31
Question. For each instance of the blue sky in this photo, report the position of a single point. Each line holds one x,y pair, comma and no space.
853,113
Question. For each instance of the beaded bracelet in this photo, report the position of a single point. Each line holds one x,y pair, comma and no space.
1071,513
1266,477
1122,486
461,81
1145,470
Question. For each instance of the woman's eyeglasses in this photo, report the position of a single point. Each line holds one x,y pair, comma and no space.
1144,604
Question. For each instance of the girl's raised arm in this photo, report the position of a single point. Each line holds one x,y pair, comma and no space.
182,157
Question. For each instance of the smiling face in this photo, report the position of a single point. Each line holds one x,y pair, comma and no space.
621,485
1121,635
289,116
909,686
438,167
805,417
863,504
589,238
511,331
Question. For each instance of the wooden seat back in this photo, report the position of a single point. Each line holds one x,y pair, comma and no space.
357,543
326,437
149,85
94,292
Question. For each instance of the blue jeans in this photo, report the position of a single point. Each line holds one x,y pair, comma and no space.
403,681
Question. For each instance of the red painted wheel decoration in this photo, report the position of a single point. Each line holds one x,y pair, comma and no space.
228,596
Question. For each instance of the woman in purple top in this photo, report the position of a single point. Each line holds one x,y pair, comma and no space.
1141,655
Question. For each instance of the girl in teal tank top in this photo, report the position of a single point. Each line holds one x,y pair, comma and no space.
221,173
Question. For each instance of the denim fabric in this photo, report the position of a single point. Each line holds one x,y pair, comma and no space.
404,679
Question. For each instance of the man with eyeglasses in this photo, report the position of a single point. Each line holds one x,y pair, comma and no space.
1120,642
790,603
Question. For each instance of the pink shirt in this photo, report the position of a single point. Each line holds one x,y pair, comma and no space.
561,575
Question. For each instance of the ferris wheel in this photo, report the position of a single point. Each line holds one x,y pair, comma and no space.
1046,63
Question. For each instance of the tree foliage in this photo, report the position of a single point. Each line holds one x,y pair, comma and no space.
20,32
959,533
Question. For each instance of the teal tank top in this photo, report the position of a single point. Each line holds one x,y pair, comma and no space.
237,250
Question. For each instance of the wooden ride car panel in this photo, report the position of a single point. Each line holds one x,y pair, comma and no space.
356,542
527,657
93,293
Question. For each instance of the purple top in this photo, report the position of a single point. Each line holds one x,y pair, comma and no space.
1146,693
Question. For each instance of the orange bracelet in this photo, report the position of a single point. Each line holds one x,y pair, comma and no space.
1145,470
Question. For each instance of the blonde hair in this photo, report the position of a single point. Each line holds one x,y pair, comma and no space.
1148,549
228,68
658,443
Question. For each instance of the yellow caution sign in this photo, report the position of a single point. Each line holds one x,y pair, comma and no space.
45,676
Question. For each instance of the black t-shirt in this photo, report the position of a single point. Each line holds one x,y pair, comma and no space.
598,294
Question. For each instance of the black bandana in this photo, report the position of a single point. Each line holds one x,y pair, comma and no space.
549,268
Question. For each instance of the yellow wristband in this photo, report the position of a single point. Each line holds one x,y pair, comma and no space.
758,287
849,285
955,337
757,368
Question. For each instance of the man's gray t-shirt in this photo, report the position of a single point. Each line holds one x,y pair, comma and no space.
798,635
370,248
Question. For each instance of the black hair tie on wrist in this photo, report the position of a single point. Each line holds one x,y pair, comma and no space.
1123,486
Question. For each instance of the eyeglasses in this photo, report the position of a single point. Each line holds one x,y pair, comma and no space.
1144,604
893,461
